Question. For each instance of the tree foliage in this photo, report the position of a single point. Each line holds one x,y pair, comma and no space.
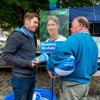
12,11
76,3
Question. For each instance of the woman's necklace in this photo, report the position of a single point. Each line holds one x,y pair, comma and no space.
54,38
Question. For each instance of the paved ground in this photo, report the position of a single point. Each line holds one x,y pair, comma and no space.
4,82
43,80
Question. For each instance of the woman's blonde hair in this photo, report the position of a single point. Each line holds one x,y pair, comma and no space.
55,19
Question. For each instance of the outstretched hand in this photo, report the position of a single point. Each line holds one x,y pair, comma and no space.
42,58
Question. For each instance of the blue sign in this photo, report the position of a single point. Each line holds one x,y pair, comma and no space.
48,47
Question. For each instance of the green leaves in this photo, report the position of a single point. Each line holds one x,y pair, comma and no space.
53,1
12,11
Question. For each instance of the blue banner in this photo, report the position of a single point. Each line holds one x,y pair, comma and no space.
48,47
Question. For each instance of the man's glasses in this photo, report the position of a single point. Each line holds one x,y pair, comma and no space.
73,26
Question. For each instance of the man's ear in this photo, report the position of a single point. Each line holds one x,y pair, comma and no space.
26,21
81,24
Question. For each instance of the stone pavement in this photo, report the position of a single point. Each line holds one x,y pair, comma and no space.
4,82
43,80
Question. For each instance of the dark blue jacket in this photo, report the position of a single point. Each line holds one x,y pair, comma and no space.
19,51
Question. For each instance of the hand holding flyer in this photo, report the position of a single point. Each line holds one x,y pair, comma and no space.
42,58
